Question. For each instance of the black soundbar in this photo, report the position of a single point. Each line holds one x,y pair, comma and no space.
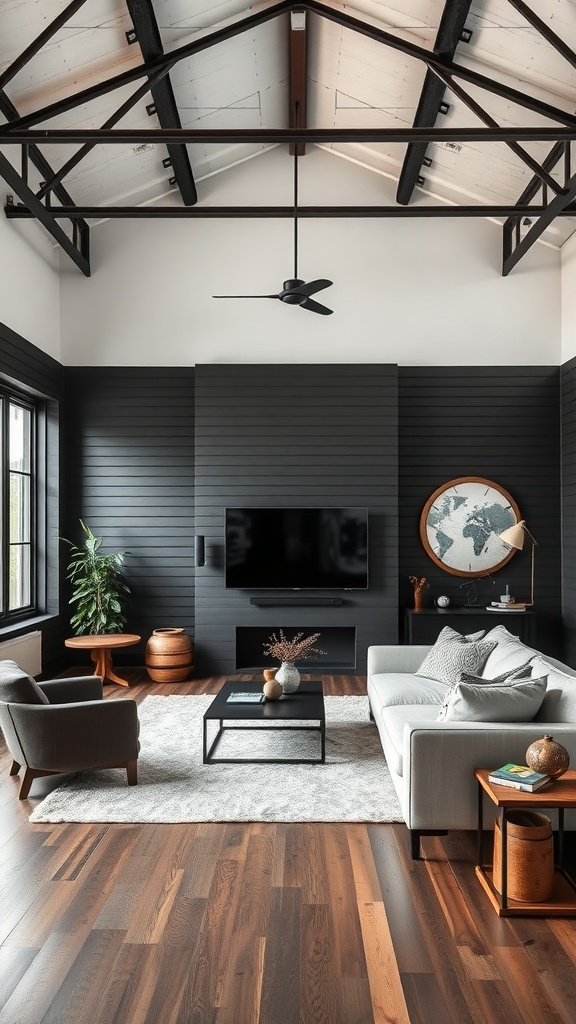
285,602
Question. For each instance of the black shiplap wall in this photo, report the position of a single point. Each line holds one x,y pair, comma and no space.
27,367
568,393
295,435
130,474
497,422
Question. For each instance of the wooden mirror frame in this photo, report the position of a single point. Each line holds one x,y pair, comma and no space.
424,520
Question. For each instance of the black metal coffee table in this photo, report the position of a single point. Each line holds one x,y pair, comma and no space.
306,705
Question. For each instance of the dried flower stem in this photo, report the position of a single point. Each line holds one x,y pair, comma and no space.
288,650
418,583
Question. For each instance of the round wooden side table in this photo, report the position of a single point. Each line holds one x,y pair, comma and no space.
100,648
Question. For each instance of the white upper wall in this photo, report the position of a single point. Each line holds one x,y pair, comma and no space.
409,291
29,284
568,307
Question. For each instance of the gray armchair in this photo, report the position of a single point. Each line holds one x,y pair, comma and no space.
64,725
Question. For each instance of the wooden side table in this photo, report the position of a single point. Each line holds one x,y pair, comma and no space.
100,648
561,795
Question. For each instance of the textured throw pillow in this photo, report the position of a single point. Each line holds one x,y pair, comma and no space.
452,654
523,672
511,702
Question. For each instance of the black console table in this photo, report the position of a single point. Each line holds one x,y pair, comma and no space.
423,627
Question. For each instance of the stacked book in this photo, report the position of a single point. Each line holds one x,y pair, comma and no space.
506,606
519,776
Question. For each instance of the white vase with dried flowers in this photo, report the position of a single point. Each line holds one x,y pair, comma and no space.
287,651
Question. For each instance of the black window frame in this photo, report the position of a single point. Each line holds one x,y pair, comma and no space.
12,396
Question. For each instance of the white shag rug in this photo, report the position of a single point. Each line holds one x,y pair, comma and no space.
174,786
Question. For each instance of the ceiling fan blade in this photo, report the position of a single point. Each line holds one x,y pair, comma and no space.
315,307
312,287
245,296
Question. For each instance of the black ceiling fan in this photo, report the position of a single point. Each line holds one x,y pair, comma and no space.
295,292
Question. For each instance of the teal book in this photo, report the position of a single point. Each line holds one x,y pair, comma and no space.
519,776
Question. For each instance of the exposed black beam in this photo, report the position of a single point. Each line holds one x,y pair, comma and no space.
489,121
45,168
74,160
14,212
254,20
545,31
512,255
148,35
167,61
449,32
40,212
39,42
131,136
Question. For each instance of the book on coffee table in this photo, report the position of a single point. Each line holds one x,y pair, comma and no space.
244,697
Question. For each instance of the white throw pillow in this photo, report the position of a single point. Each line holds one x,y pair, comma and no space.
452,654
523,672
511,702
559,704
509,652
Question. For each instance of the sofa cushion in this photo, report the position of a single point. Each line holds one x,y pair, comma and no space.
559,704
516,701
387,689
17,687
509,652
393,722
504,679
452,654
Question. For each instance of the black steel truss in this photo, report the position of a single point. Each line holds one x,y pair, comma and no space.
447,38
442,71
148,36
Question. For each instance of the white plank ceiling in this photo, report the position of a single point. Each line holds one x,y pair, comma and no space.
243,82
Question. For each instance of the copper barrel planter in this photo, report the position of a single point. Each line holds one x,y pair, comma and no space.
169,655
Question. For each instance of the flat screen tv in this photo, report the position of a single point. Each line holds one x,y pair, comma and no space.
297,548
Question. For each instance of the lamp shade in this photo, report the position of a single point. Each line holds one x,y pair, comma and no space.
514,536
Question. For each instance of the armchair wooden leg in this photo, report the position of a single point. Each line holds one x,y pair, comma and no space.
132,772
15,768
29,775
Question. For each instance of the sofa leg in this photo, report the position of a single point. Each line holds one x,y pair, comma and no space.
415,844
417,833
132,773
15,768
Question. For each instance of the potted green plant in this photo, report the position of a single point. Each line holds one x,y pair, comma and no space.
98,587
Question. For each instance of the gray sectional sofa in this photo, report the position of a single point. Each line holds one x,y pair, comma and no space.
432,762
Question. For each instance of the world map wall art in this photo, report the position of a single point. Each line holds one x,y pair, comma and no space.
461,522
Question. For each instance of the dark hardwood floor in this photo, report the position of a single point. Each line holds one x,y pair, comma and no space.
260,923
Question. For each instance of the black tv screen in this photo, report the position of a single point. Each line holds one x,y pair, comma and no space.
297,548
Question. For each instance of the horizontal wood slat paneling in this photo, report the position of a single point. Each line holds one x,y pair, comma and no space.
501,423
290,436
568,408
130,467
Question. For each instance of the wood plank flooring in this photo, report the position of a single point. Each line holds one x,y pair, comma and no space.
260,923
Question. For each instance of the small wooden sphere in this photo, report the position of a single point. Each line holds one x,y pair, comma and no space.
272,689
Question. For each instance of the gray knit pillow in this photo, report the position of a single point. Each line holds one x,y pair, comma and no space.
505,679
453,654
